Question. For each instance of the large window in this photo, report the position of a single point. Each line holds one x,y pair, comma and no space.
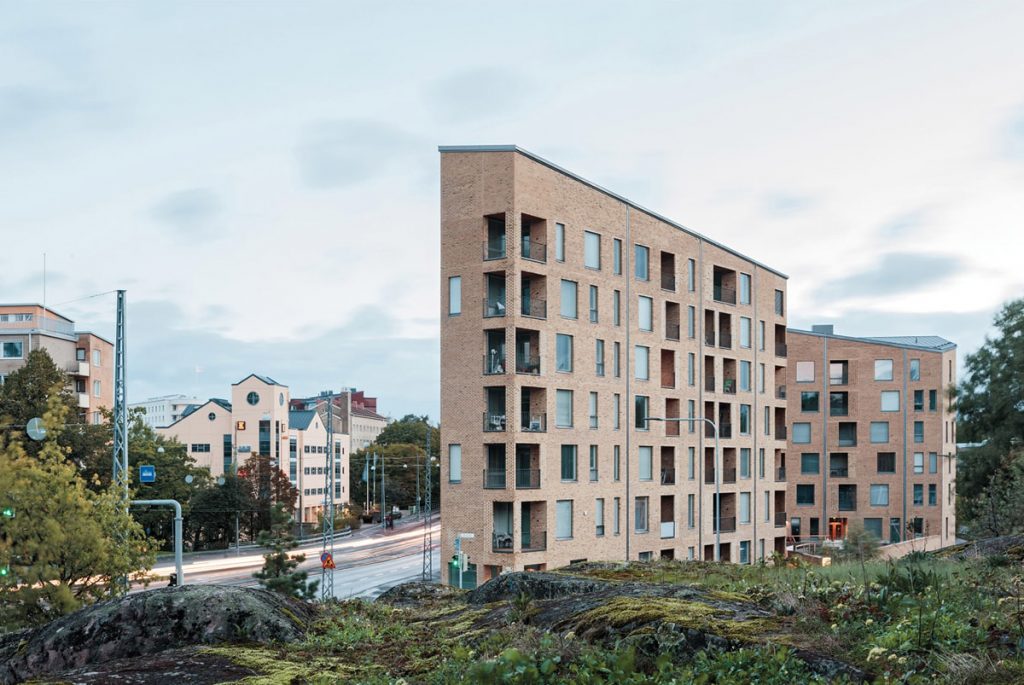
886,462
744,376
642,362
567,302
744,462
933,462
640,514
591,250
599,517
563,408
691,275
879,431
454,295
563,519
918,462
801,433
744,332
809,463
645,313
560,242
744,507
646,462
883,369
568,462
641,412
915,369
918,494
617,256
454,463
809,400
805,372
879,495
804,494
12,350
744,288
563,352
918,431
599,357
643,263
744,419
890,400
592,409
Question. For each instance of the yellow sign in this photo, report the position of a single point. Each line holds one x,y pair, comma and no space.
239,425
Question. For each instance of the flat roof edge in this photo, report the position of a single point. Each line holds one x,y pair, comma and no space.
950,345
602,189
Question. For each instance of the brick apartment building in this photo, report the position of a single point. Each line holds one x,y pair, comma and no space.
259,419
87,359
872,436
567,310
359,417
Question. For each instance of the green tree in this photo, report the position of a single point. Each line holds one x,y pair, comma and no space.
409,430
213,510
67,544
400,463
269,486
279,572
999,507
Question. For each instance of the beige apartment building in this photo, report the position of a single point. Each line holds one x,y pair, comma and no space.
359,417
567,311
873,436
221,434
87,358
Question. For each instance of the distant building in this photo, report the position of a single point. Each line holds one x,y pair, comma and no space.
260,419
163,411
872,436
358,413
87,358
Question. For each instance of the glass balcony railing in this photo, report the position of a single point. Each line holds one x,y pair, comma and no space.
494,479
527,479
723,293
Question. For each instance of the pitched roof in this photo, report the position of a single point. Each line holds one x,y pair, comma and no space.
266,379
300,420
193,408
367,414
929,343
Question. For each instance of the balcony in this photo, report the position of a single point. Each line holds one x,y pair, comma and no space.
780,392
727,525
534,250
534,423
725,430
780,432
534,542
494,307
77,368
709,338
39,323
501,542
780,519
709,383
83,400
780,474
725,340
671,331
528,365
494,479
729,386
839,472
668,282
780,349
668,476
534,308
839,380
494,364
494,423
723,293
494,248
527,479
729,475
668,529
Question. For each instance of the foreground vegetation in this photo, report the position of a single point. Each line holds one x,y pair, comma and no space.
920,620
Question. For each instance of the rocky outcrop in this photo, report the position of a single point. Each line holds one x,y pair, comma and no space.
151,622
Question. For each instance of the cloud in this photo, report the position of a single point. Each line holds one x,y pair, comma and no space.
787,204
904,224
23,107
896,273
1013,137
337,154
188,211
479,93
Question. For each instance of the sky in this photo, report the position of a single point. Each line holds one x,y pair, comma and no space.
262,177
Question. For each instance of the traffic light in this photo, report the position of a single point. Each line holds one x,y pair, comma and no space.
7,512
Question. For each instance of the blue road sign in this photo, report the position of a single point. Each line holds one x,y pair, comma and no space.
147,474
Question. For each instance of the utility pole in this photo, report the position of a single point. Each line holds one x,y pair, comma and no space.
327,574
419,508
383,497
427,572
120,418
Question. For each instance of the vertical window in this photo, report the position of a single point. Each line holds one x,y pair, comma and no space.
616,463
767,509
617,256
643,266
567,301
691,462
599,357
918,462
454,295
744,507
932,494
591,250
767,420
932,400
616,511
640,514
933,462
616,410
616,308
593,463
745,376
690,510
569,462
779,303
593,304
641,412
616,363
563,518
918,431
744,288
96,358
646,461
744,462
563,408
883,369
760,379
96,389
915,369
890,400
645,313
691,408
760,334
563,352
642,362
691,275
560,242
744,419
918,494
744,332
593,410
454,463
691,321
879,495
760,463
599,517
691,370
919,400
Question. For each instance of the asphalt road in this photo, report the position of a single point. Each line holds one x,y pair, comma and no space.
368,563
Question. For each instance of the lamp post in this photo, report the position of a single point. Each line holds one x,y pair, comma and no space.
718,474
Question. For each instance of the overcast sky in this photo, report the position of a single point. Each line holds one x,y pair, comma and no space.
262,177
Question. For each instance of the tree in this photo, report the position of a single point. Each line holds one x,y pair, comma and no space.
66,544
999,508
279,572
409,430
269,485
213,510
400,463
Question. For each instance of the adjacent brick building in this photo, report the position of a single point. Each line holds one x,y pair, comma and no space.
872,436
565,310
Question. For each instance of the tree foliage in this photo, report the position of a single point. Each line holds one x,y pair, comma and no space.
399,464
67,543
268,485
409,430
279,572
213,510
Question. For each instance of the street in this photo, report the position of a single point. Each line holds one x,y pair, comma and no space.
368,562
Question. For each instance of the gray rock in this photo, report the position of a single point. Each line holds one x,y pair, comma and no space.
151,622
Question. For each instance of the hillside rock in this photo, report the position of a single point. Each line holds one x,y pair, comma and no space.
151,622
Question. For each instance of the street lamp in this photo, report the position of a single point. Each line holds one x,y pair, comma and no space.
718,473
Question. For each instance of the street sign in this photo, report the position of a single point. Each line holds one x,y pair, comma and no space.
35,429
327,560
147,474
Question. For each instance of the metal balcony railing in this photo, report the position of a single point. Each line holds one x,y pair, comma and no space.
780,392
494,248
839,380
668,476
727,524
494,423
780,432
729,475
534,308
780,349
527,479
528,365
725,340
671,331
494,364
780,474
780,519
501,542
534,250
494,479
534,423
725,430
534,541
729,386
847,503
493,308
668,282
723,293
709,338
709,383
